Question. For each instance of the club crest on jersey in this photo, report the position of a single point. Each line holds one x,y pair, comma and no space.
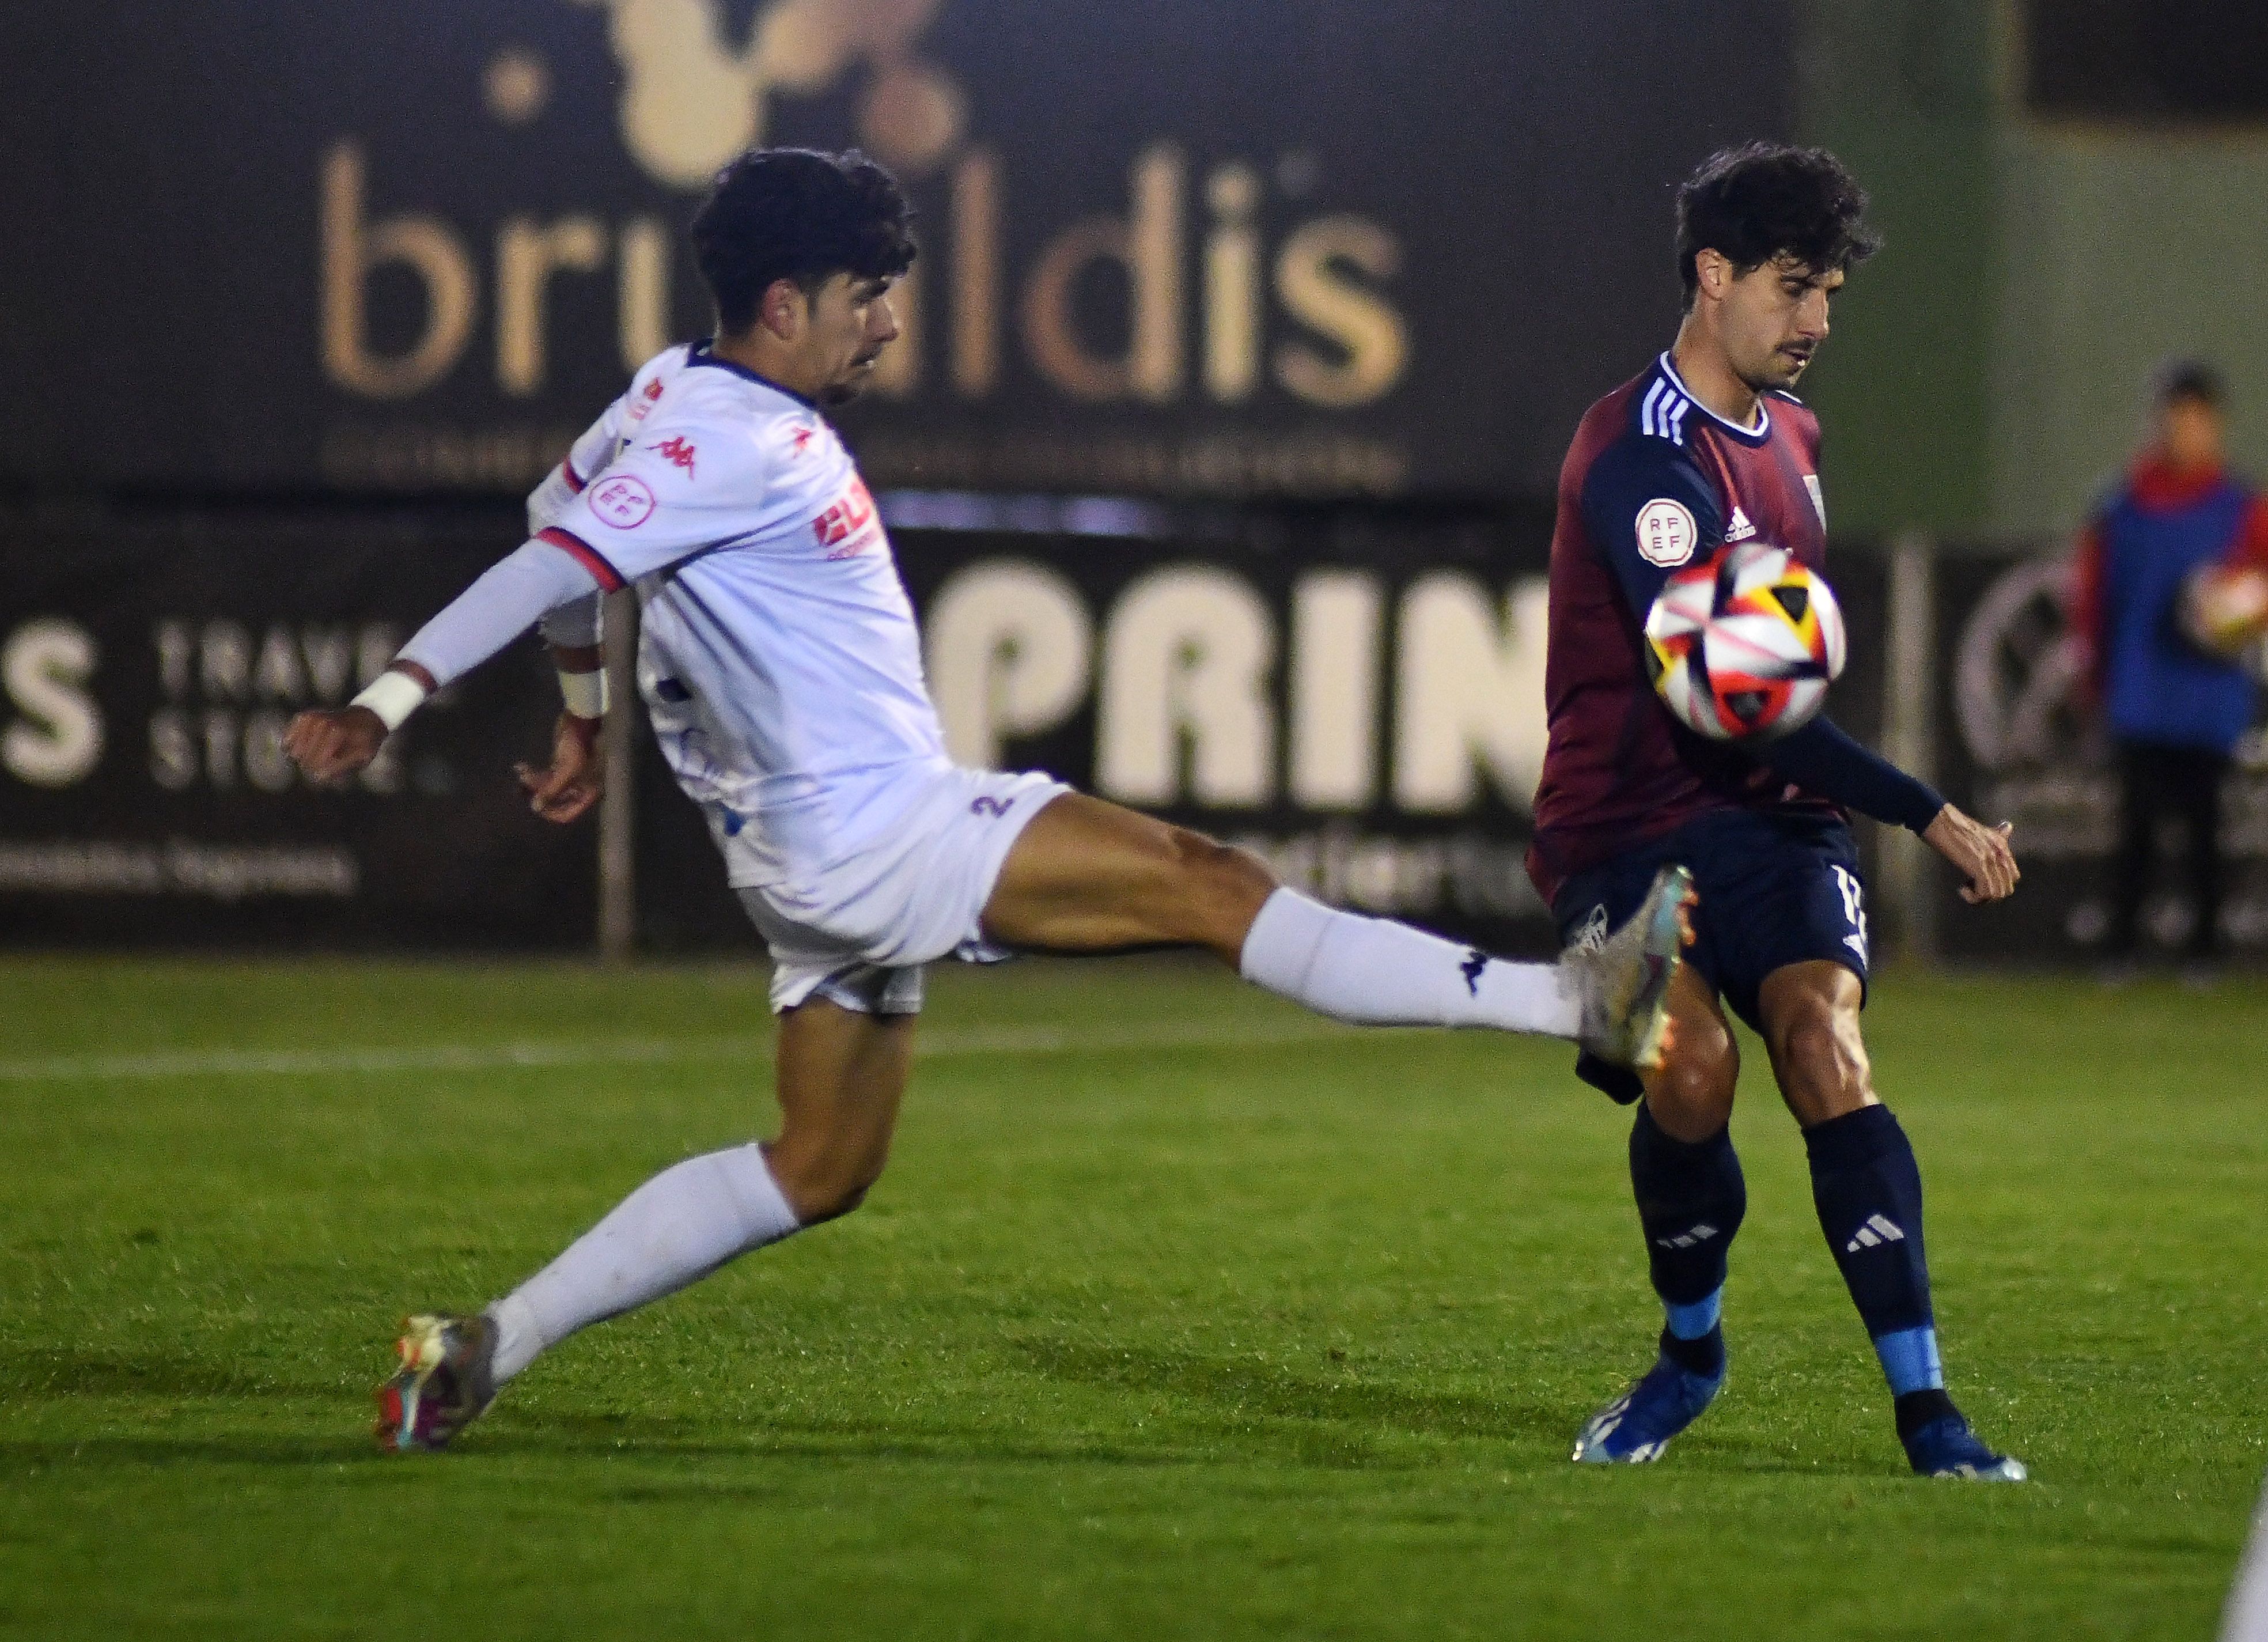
1739,529
851,525
676,450
1666,531
644,402
622,501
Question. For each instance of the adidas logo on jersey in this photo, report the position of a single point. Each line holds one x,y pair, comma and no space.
1739,529
1878,1230
1698,1235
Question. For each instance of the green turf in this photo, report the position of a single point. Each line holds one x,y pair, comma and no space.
1173,1317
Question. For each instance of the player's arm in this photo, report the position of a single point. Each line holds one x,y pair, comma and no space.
1652,512
564,790
648,510
330,745
580,623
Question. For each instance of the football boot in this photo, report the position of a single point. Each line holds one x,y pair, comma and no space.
1637,1426
1625,982
443,1385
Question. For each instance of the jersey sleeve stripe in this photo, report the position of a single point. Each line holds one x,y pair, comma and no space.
575,480
589,558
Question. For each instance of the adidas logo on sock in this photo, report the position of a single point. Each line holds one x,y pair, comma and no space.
1878,1230
1702,1233
1739,529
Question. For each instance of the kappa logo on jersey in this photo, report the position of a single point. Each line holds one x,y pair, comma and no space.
644,402
852,525
622,501
1739,529
802,442
677,450
1665,533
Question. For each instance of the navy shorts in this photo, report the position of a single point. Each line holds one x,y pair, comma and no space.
1775,889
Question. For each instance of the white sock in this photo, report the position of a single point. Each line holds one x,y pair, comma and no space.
678,1227
1374,972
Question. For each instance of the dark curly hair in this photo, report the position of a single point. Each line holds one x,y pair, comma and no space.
798,214
1763,200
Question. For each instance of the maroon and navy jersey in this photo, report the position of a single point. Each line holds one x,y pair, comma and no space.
1654,480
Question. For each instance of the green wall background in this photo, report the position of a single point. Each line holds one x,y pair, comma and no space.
1988,372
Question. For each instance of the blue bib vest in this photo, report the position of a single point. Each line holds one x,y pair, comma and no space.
2161,689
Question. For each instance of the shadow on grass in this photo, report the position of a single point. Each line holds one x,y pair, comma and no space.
1253,1388
1208,1409
49,1374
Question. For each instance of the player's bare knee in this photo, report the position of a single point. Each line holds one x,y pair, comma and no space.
1690,1095
1821,1062
1220,889
821,1180
823,1191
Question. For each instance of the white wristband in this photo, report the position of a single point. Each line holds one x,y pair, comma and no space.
585,693
393,696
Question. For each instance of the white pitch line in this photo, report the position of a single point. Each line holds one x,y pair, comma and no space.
500,1056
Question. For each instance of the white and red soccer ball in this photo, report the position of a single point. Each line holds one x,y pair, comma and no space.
1744,644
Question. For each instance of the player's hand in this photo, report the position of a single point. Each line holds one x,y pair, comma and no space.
1980,853
332,744
578,773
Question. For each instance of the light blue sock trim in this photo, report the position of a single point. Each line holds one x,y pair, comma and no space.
1910,1360
1690,1322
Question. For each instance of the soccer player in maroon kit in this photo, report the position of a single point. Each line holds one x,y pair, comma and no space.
1707,447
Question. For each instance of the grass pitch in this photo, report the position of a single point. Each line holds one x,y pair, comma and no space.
1176,1315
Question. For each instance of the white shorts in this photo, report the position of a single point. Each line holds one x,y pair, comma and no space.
858,933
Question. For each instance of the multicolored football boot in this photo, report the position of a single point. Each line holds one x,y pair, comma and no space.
443,1385
1625,984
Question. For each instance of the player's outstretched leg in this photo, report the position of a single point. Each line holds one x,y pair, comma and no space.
1867,1188
1088,876
841,1075
1691,1198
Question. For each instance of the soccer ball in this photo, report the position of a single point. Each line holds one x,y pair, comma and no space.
2224,611
1745,643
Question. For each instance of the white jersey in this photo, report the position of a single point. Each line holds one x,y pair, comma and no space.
779,662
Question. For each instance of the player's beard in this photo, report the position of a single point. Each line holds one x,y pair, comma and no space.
1783,371
853,383
1777,379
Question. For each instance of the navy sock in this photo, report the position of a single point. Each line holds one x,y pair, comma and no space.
1868,1189
1690,1200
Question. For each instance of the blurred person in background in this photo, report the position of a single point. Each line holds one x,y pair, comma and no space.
2175,708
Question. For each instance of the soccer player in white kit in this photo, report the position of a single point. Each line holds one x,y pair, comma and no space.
781,666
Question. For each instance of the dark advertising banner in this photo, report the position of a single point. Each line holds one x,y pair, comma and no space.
1283,248
147,671
2016,747
1358,696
